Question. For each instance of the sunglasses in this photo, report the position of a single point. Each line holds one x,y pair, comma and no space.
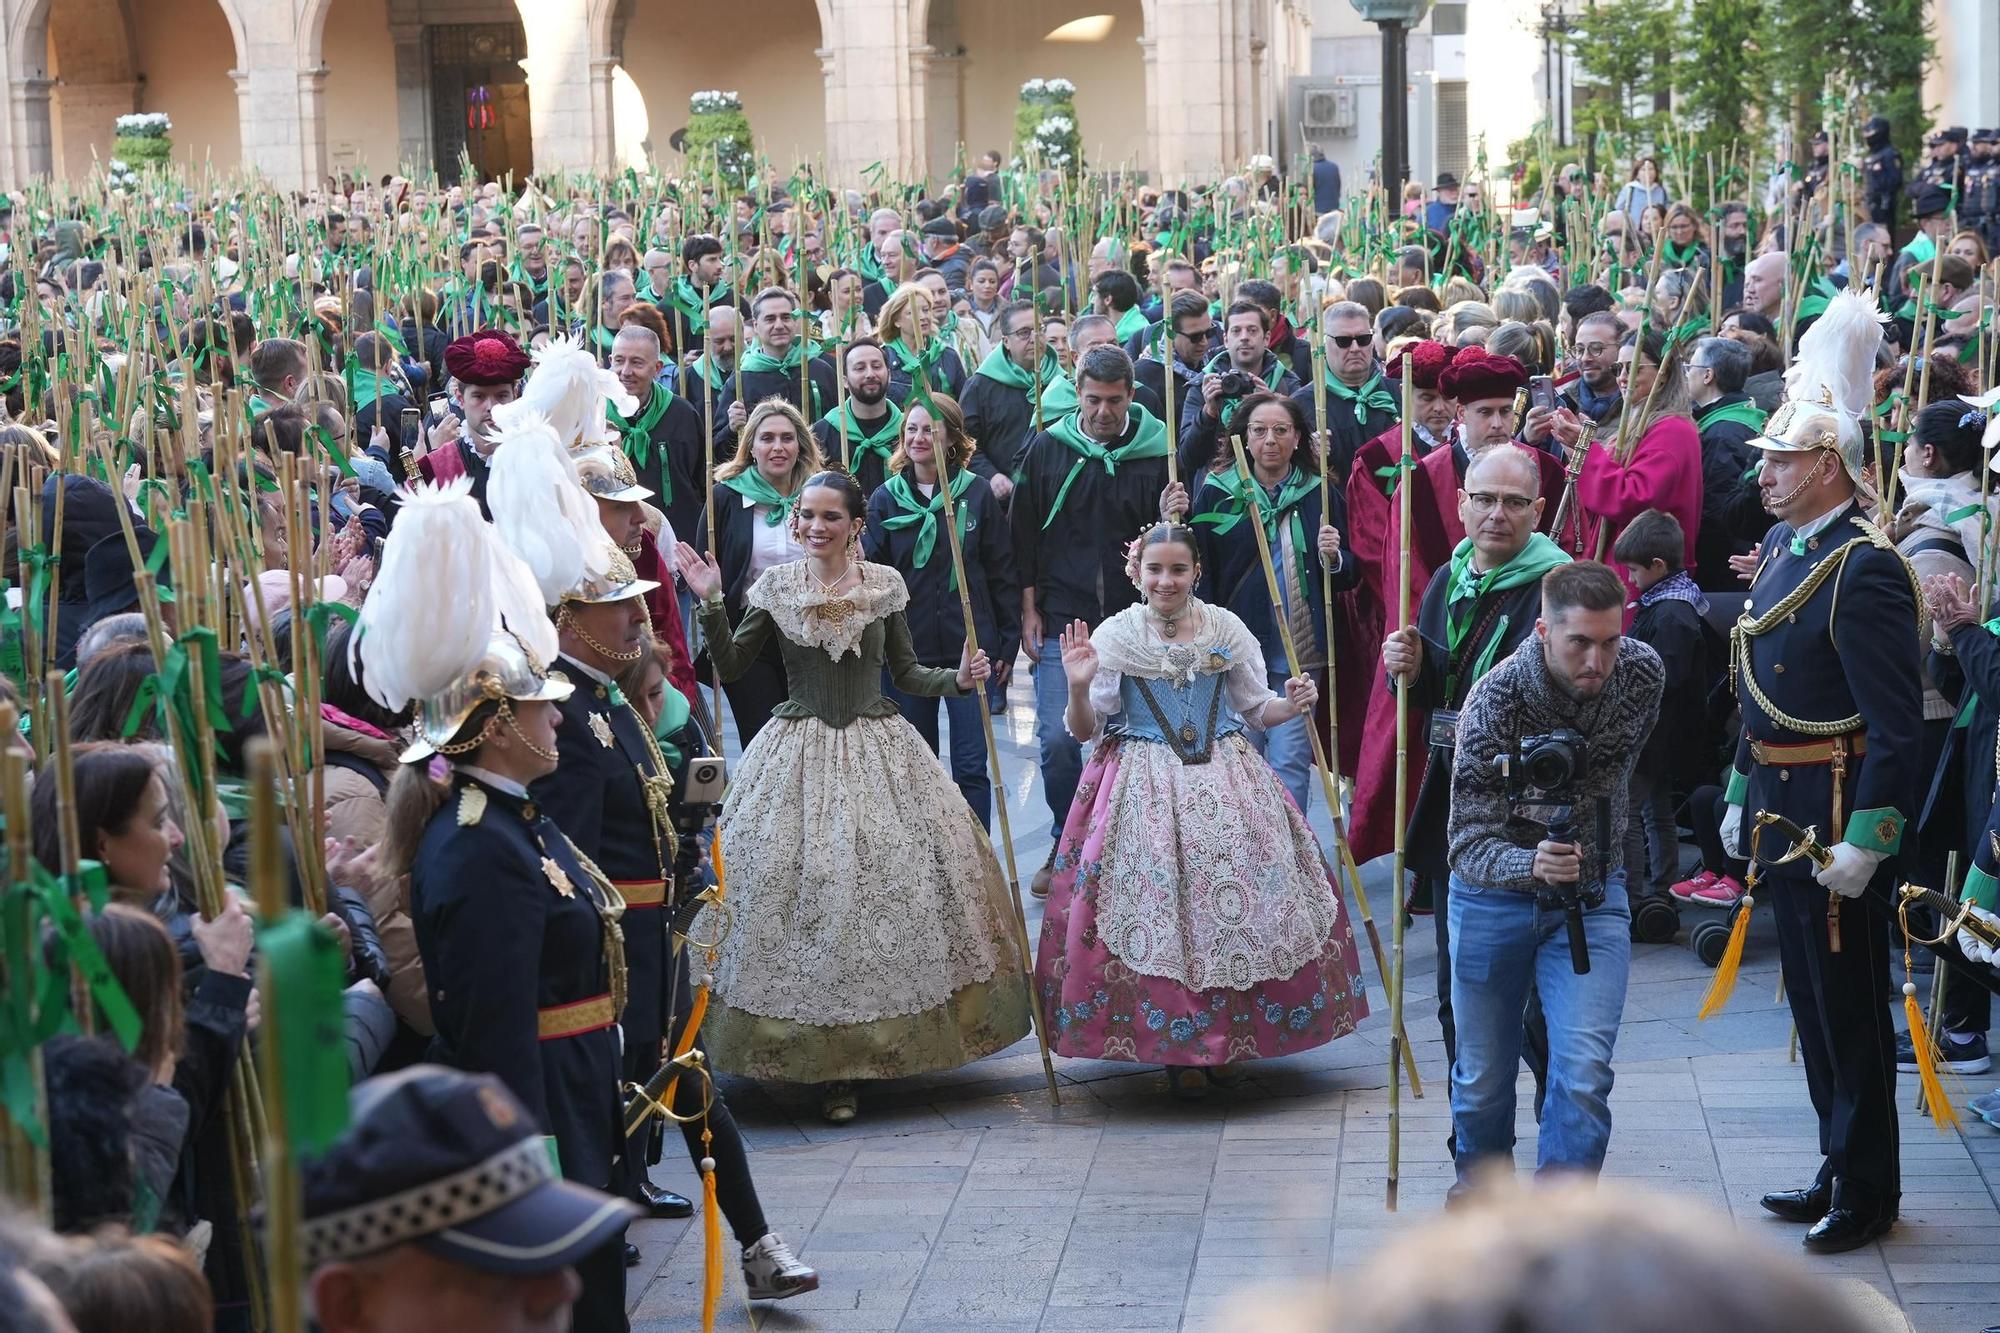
1345,340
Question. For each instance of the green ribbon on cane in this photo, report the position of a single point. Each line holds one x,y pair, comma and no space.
303,959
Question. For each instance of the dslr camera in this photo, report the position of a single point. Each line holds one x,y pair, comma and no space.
1541,777
1237,383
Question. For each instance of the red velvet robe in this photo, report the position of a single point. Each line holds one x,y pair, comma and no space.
663,608
1435,532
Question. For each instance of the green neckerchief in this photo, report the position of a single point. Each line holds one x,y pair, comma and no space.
674,711
1370,394
1131,323
1148,441
635,436
1675,257
368,388
1059,399
881,441
869,264
922,515
1295,487
758,360
603,337
921,366
750,484
1922,248
1745,413
1000,368
1468,587
693,306
520,274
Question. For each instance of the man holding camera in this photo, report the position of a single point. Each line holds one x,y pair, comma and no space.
1546,744
1244,366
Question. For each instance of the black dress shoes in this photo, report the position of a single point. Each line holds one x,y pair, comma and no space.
631,1255
1845,1228
663,1203
1805,1206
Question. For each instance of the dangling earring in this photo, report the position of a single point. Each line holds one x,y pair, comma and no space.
854,543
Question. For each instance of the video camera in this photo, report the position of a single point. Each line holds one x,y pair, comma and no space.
1541,777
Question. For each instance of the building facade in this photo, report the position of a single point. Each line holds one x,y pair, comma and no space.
301,89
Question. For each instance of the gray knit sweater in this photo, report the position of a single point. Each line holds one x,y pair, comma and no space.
1490,839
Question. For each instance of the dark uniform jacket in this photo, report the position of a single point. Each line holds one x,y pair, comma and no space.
1882,180
999,419
501,941
1076,564
597,797
1822,664
752,387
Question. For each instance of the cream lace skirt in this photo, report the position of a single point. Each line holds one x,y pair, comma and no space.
872,936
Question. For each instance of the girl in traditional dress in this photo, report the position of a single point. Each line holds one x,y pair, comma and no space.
1191,922
873,937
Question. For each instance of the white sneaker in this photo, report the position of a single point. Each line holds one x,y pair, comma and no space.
772,1272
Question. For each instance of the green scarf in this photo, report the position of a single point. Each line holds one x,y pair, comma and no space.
1746,413
635,436
881,442
1295,487
912,512
869,264
750,484
1676,257
1059,399
693,306
1148,441
758,360
1132,322
1371,394
521,275
367,388
1468,587
1000,368
921,366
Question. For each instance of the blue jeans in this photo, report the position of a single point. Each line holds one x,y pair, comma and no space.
1287,748
1501,941
1062,757
968,741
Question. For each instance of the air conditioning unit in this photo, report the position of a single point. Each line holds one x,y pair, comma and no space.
1327,110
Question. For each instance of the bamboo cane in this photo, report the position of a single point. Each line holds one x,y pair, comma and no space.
1320,766
283,1200
940,452
1402,811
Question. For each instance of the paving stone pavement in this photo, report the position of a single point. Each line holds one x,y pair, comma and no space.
964,1201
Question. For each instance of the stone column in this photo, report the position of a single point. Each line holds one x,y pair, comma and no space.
87,113
281,108
569,85
874,107
33,137
1201,85
413,96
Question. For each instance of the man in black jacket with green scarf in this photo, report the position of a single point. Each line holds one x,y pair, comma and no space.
862,432
1085,487
1359,402
998,398
662,437
771,368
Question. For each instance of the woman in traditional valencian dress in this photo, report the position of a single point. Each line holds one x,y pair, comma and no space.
1191,922
873,938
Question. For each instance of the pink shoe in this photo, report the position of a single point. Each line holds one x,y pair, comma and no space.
1687,888
1725,893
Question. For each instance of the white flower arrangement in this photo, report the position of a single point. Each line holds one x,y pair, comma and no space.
1048,90
144,125
714,100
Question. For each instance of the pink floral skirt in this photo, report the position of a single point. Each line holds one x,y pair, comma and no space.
1094,1006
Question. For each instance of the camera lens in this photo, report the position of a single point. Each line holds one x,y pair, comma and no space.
1547,767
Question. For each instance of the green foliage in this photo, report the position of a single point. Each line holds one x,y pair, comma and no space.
718,133
142,151
1046,125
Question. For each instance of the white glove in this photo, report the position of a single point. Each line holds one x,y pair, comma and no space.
1851,869
1732,830
1973,949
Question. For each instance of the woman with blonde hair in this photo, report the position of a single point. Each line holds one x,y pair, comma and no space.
908,328
755,494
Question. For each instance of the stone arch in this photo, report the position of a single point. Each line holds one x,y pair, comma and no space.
781,77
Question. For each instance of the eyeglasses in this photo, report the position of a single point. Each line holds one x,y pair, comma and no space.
1484,502
1592,349
1349,340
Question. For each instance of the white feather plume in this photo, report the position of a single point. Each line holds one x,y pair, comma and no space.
431,609
541,510
519,600
569,389
1836,356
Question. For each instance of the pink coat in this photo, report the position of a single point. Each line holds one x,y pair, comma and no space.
1663,472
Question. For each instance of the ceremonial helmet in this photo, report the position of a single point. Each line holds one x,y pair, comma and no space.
544,512
568,390
449,644
608,474
1828,388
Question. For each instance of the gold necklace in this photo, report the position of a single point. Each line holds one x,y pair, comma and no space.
1169,626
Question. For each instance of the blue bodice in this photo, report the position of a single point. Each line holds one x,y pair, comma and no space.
1196,713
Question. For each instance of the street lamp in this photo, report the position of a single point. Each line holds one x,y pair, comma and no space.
1395,18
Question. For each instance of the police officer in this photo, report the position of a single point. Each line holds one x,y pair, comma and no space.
1881,172
1815,182
1832,706
1945,163
611,791
1979,205
519,935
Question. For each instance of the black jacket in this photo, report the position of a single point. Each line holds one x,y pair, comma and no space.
1232,572
1732,512
869,467
999,419
1345,435
1200,433
500,942
754,386
1076,563
937,623
947,376
1675,630
675,464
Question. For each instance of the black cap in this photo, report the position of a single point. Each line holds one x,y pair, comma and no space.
1876,125
992,217
943,227
1986,136
1931,201
454,1163
1955,133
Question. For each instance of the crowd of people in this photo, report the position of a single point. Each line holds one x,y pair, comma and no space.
1529,537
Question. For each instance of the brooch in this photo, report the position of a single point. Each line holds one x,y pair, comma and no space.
600,729
557,877
471,806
